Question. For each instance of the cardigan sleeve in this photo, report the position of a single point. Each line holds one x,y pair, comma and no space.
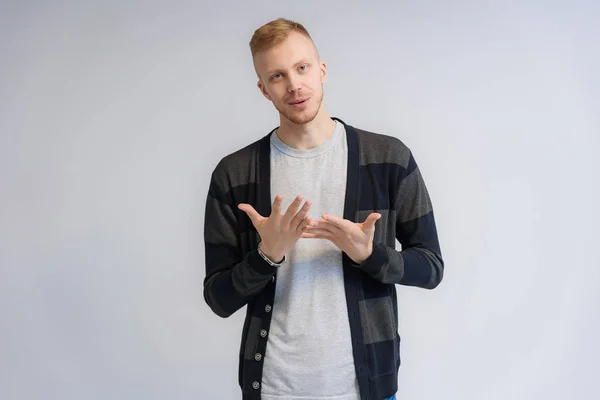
232,278
420,262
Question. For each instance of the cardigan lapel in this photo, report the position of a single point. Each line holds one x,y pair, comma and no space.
263,191
351,196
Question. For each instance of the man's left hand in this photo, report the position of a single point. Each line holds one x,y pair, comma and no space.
354,239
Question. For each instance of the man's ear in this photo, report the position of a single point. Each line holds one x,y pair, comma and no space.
261,86
323,72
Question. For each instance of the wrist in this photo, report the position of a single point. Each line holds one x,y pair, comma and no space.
361,258
271,255
376,260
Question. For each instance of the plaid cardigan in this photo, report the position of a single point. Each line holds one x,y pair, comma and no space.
382,177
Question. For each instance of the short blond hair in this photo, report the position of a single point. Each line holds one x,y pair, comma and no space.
273,33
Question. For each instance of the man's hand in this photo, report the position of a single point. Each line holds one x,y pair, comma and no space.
279,232
354,239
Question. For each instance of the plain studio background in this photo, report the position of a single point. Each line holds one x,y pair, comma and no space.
113,115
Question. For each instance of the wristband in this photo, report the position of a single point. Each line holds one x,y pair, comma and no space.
268,260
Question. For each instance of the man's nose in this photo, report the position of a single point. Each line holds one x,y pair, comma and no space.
294,84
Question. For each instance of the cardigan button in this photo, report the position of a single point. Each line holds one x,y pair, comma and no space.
268,308
263,333
255,385
258,356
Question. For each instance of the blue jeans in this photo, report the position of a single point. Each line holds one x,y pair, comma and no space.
391,398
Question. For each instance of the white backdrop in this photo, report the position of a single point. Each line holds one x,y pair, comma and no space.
112,116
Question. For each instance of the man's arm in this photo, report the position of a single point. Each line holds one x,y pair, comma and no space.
420,262
232,278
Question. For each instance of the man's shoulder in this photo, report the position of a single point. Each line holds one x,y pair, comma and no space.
378,147
238,167
242,155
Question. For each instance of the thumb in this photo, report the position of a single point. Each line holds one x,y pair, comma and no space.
371,219
255,217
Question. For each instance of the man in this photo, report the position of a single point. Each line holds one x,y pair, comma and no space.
300,227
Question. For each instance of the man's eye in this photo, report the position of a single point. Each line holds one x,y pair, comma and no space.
276,76
303,67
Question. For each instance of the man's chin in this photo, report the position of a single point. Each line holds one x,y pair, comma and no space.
300,118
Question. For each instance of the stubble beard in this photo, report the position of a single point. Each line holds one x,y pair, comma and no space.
305,116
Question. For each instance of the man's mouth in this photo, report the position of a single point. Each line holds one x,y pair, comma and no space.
298,101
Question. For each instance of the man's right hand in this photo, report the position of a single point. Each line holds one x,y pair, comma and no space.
279,232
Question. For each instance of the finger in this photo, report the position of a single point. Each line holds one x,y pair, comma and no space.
337,221
276,208
306,235
300,217
334,229
291,211
304,223
255,217
319,232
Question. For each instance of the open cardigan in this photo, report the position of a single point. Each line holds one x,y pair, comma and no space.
382,177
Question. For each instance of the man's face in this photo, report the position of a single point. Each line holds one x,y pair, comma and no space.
292,77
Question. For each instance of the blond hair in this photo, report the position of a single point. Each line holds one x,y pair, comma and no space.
273,33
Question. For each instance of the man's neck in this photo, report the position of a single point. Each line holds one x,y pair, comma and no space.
306,136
